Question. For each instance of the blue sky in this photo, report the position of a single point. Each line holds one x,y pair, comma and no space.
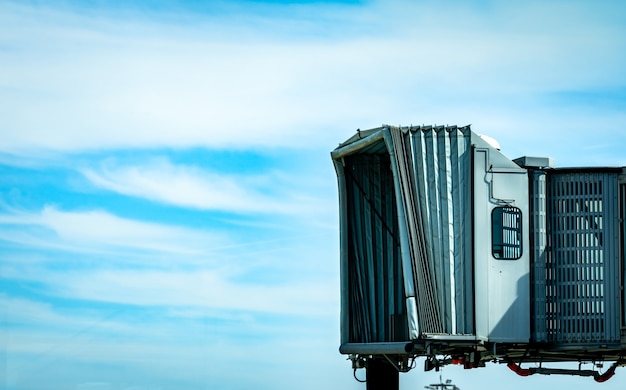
168,207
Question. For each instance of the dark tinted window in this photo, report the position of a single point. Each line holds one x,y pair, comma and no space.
506,233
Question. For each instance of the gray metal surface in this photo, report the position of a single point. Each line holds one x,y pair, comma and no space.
501,286
398,348
534,162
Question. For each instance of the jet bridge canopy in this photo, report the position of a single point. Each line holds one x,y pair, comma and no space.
407,231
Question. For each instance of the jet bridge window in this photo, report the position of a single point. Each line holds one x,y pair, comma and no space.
506,233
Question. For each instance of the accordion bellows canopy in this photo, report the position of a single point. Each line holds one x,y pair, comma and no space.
423,213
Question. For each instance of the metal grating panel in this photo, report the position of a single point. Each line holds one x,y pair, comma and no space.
582,267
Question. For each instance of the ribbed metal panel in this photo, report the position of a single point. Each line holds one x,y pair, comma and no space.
415,252
376,295
441,157
433,165
622,210
582,265
539,246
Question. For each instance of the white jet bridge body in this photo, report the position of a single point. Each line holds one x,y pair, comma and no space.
453,252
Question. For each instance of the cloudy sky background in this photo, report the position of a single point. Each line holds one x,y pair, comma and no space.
168,207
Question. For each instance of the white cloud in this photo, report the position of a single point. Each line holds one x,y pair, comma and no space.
97,231
183,293
129,82
147,346
147,264
211,289
31,316
187,186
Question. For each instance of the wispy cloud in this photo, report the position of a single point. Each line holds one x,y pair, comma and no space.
97,231
151,264
127,82
209,289
142,345
188,186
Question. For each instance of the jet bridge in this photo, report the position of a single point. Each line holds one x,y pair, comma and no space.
452,252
